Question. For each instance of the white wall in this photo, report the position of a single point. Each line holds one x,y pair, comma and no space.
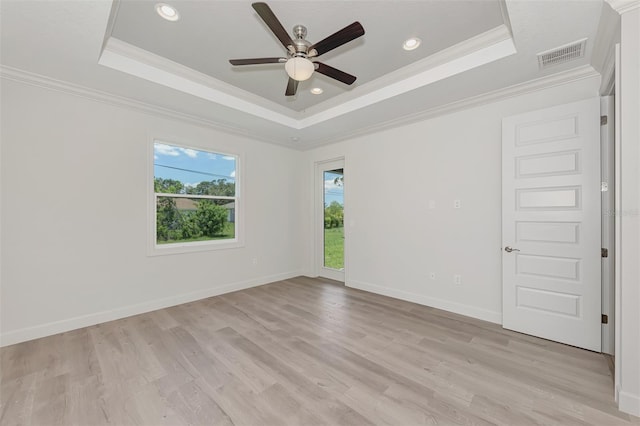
74,212
629,215
74,215
393,239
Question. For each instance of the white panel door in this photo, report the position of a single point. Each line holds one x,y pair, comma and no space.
551,223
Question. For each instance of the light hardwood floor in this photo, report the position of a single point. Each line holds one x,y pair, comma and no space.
303,352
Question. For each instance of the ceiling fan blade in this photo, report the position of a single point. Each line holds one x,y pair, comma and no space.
292,87
255,61
273,23
345,35
335,73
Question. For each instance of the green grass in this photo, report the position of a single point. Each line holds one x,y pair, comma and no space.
229,233
334,248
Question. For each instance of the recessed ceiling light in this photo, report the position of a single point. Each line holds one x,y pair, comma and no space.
167,12
317,91
295,138
411,43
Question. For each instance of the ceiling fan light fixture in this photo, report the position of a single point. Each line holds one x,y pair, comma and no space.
317,91
167,12
299,68
411,43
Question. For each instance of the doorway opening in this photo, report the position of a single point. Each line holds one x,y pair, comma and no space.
330,183
334,219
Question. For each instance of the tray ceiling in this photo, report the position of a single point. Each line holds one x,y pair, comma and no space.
124,52
210,33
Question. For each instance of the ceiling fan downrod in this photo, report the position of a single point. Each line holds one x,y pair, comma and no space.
300,44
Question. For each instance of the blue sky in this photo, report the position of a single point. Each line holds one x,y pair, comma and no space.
191,166
332,192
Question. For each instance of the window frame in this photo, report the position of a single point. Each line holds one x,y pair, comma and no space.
155,249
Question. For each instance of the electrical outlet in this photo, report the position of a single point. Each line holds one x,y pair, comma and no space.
457,280
432,275
457,204
254,261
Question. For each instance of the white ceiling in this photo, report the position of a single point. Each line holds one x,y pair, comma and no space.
224,30
469,48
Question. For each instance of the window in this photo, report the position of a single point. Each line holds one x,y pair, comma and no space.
195,199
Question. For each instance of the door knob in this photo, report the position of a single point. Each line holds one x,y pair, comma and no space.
510,249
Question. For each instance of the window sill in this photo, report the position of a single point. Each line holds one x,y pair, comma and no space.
195,247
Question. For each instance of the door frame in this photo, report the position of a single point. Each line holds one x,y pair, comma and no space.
608,219
610,86
318,219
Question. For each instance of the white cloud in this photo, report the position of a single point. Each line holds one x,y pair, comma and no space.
233,174
163,149
155,157
330,184
191,153
174,151
211,156
228,157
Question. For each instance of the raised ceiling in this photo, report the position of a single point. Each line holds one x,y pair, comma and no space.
124,49
224,30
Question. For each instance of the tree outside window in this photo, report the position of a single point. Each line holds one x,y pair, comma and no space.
195,195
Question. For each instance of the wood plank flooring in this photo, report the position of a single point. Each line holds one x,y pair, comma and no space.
303,352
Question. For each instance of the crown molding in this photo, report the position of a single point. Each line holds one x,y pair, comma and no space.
484,48
558,79
33,79
603,54
127,58
623,6
479,50
481,41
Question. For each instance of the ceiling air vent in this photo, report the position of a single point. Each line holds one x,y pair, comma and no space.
562,54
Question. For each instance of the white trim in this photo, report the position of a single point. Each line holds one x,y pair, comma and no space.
122,56
484,48
37,80
543,83
111,22
318,214
61,326
607,166
602,57
504,10
607,82
480,50
204,197
617,379
629,403
623,6
446,305
155,249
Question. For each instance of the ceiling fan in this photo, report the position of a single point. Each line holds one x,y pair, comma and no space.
298,62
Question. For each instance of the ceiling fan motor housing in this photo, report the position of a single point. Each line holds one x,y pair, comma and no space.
298,65
300,45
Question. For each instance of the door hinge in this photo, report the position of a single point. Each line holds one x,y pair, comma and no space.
604,252
605,319
603,120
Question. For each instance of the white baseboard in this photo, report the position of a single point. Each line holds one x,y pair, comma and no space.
628,403
445,305
49,329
